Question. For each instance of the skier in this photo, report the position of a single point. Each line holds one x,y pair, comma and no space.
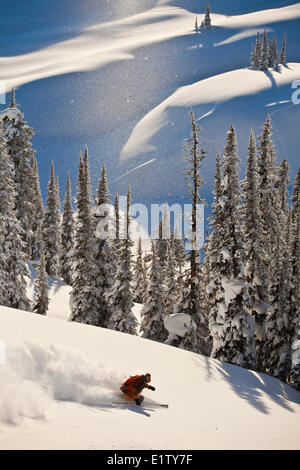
133,386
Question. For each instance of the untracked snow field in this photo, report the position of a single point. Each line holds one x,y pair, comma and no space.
59,379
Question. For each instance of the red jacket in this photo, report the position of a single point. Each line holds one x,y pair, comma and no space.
133,386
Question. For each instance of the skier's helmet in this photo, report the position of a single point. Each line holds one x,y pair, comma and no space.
148,377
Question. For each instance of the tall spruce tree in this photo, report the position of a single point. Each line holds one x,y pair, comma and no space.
283,184
256,260
180,256
38,205
172,293
139,275
18,135
264,53
294,378
257,51
207,19
268,194
105,254
152,324
282,59
67,236
191,305
295,193
84,303
279,325
13,259
41,302
231,328
52,228
122,318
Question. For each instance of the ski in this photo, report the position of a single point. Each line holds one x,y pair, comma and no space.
163,405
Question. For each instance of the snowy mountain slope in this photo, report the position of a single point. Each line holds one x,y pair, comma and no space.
102,44
60,380
134,60
212,91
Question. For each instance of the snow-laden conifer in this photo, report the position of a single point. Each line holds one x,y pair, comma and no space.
191,301
255,256
52,227
122,318
294,378
105,251
283,185
19,135
282,59
207,19
257,55
38,208
279,321
295,193
231,325
264,53
83,297
139,275
67,236
268,194
152,324
13,259
41,301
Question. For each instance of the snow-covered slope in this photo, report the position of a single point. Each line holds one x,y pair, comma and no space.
212,92
58,381
91,71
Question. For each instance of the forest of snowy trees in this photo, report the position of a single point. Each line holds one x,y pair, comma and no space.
206,23
242,291
265,55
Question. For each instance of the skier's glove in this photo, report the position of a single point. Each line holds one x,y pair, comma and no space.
151,388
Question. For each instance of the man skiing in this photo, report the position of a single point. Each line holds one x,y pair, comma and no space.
133,386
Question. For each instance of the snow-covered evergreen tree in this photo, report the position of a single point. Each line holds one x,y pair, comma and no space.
279,325
152,324
264,53
163,241
256,259
139,275
283,51
274,58
253,58
283,182
52,228
172,293
84,303
117,217
180,256
67,236
13,259
105,253
268,194
41,301
232,331
18,135
207,19
294,378
13,103
103,196
214,243
257,55
295,193
122,318
38,208
192,303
